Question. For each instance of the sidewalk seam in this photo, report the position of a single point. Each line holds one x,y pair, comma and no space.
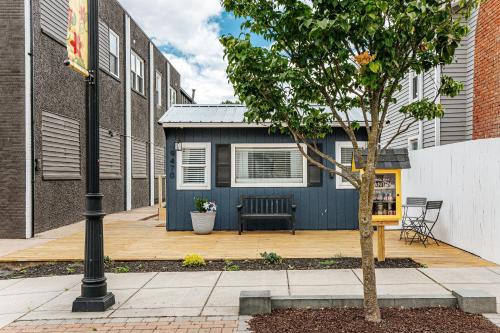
211,292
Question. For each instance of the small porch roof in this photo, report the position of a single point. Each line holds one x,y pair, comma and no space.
387,159
220,115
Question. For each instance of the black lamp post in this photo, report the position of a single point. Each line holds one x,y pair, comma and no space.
95,296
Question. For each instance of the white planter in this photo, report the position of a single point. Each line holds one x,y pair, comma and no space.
203,223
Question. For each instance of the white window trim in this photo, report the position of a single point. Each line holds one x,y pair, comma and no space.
136,83
172,92
420,83
180,181
412,138
339,185
117,75
266,145
158,87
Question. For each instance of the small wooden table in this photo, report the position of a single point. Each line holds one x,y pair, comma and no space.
380,225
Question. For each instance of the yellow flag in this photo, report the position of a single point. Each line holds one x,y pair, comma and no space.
77,39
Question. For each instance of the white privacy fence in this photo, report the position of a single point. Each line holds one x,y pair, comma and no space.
466,176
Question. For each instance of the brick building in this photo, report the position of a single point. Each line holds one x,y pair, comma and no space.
486,117
43,116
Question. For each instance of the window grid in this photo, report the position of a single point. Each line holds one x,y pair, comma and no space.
114,53
193,166
137,72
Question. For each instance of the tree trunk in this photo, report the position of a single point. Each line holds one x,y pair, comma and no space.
372,310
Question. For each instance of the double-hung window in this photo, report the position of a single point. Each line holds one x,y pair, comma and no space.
268,165
343,155
193,166
173,96
158,89
137,73
114,53
415,86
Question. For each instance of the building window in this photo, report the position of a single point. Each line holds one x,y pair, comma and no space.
137,73
413,143
268,165
193,166
158,89
415,88
343,155
114,53
173,96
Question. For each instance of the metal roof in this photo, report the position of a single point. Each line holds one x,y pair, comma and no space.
387,159
220,115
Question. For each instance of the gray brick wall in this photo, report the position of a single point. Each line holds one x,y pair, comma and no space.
12,134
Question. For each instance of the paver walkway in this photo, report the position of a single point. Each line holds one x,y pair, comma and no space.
40,301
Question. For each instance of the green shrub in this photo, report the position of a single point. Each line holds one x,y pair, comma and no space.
124,269
229,266
272,258
328,262
193,260
108,262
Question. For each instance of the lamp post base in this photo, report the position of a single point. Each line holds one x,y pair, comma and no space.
93,304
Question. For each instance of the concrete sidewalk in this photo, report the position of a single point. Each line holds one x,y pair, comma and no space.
194,294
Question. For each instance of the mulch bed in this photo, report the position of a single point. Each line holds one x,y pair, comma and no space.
349,320
68,268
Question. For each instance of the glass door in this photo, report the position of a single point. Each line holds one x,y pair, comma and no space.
384,201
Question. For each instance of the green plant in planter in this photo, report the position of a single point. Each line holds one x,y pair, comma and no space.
203,205
272,258
193,260
124,269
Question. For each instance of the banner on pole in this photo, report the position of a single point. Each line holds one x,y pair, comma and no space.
77,39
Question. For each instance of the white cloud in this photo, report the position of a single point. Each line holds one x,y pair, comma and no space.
185,26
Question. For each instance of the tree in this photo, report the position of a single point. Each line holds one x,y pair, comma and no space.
228,101
342,54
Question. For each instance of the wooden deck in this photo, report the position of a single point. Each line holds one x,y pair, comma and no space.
144,240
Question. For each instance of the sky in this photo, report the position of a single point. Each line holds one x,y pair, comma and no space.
188,32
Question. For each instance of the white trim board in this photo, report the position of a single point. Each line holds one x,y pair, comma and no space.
27,121
128,119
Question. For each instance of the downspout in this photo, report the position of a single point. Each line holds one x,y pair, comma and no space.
420,82
28,117
152,106
437,121
128,119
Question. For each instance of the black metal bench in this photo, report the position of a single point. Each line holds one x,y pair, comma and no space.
266,208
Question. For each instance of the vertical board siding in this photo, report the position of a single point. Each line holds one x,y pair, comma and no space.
60,147
139,159
110,154
318,208
465,176
54,18
103,45
159,161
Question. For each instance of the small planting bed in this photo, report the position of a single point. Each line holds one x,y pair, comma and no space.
67,268
349,320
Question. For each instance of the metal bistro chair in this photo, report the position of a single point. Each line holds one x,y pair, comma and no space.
423,226
406,222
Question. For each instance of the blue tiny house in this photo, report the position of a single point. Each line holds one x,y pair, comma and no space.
212,153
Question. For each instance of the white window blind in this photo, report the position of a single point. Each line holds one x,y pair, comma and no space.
271,165
193,166
343,152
